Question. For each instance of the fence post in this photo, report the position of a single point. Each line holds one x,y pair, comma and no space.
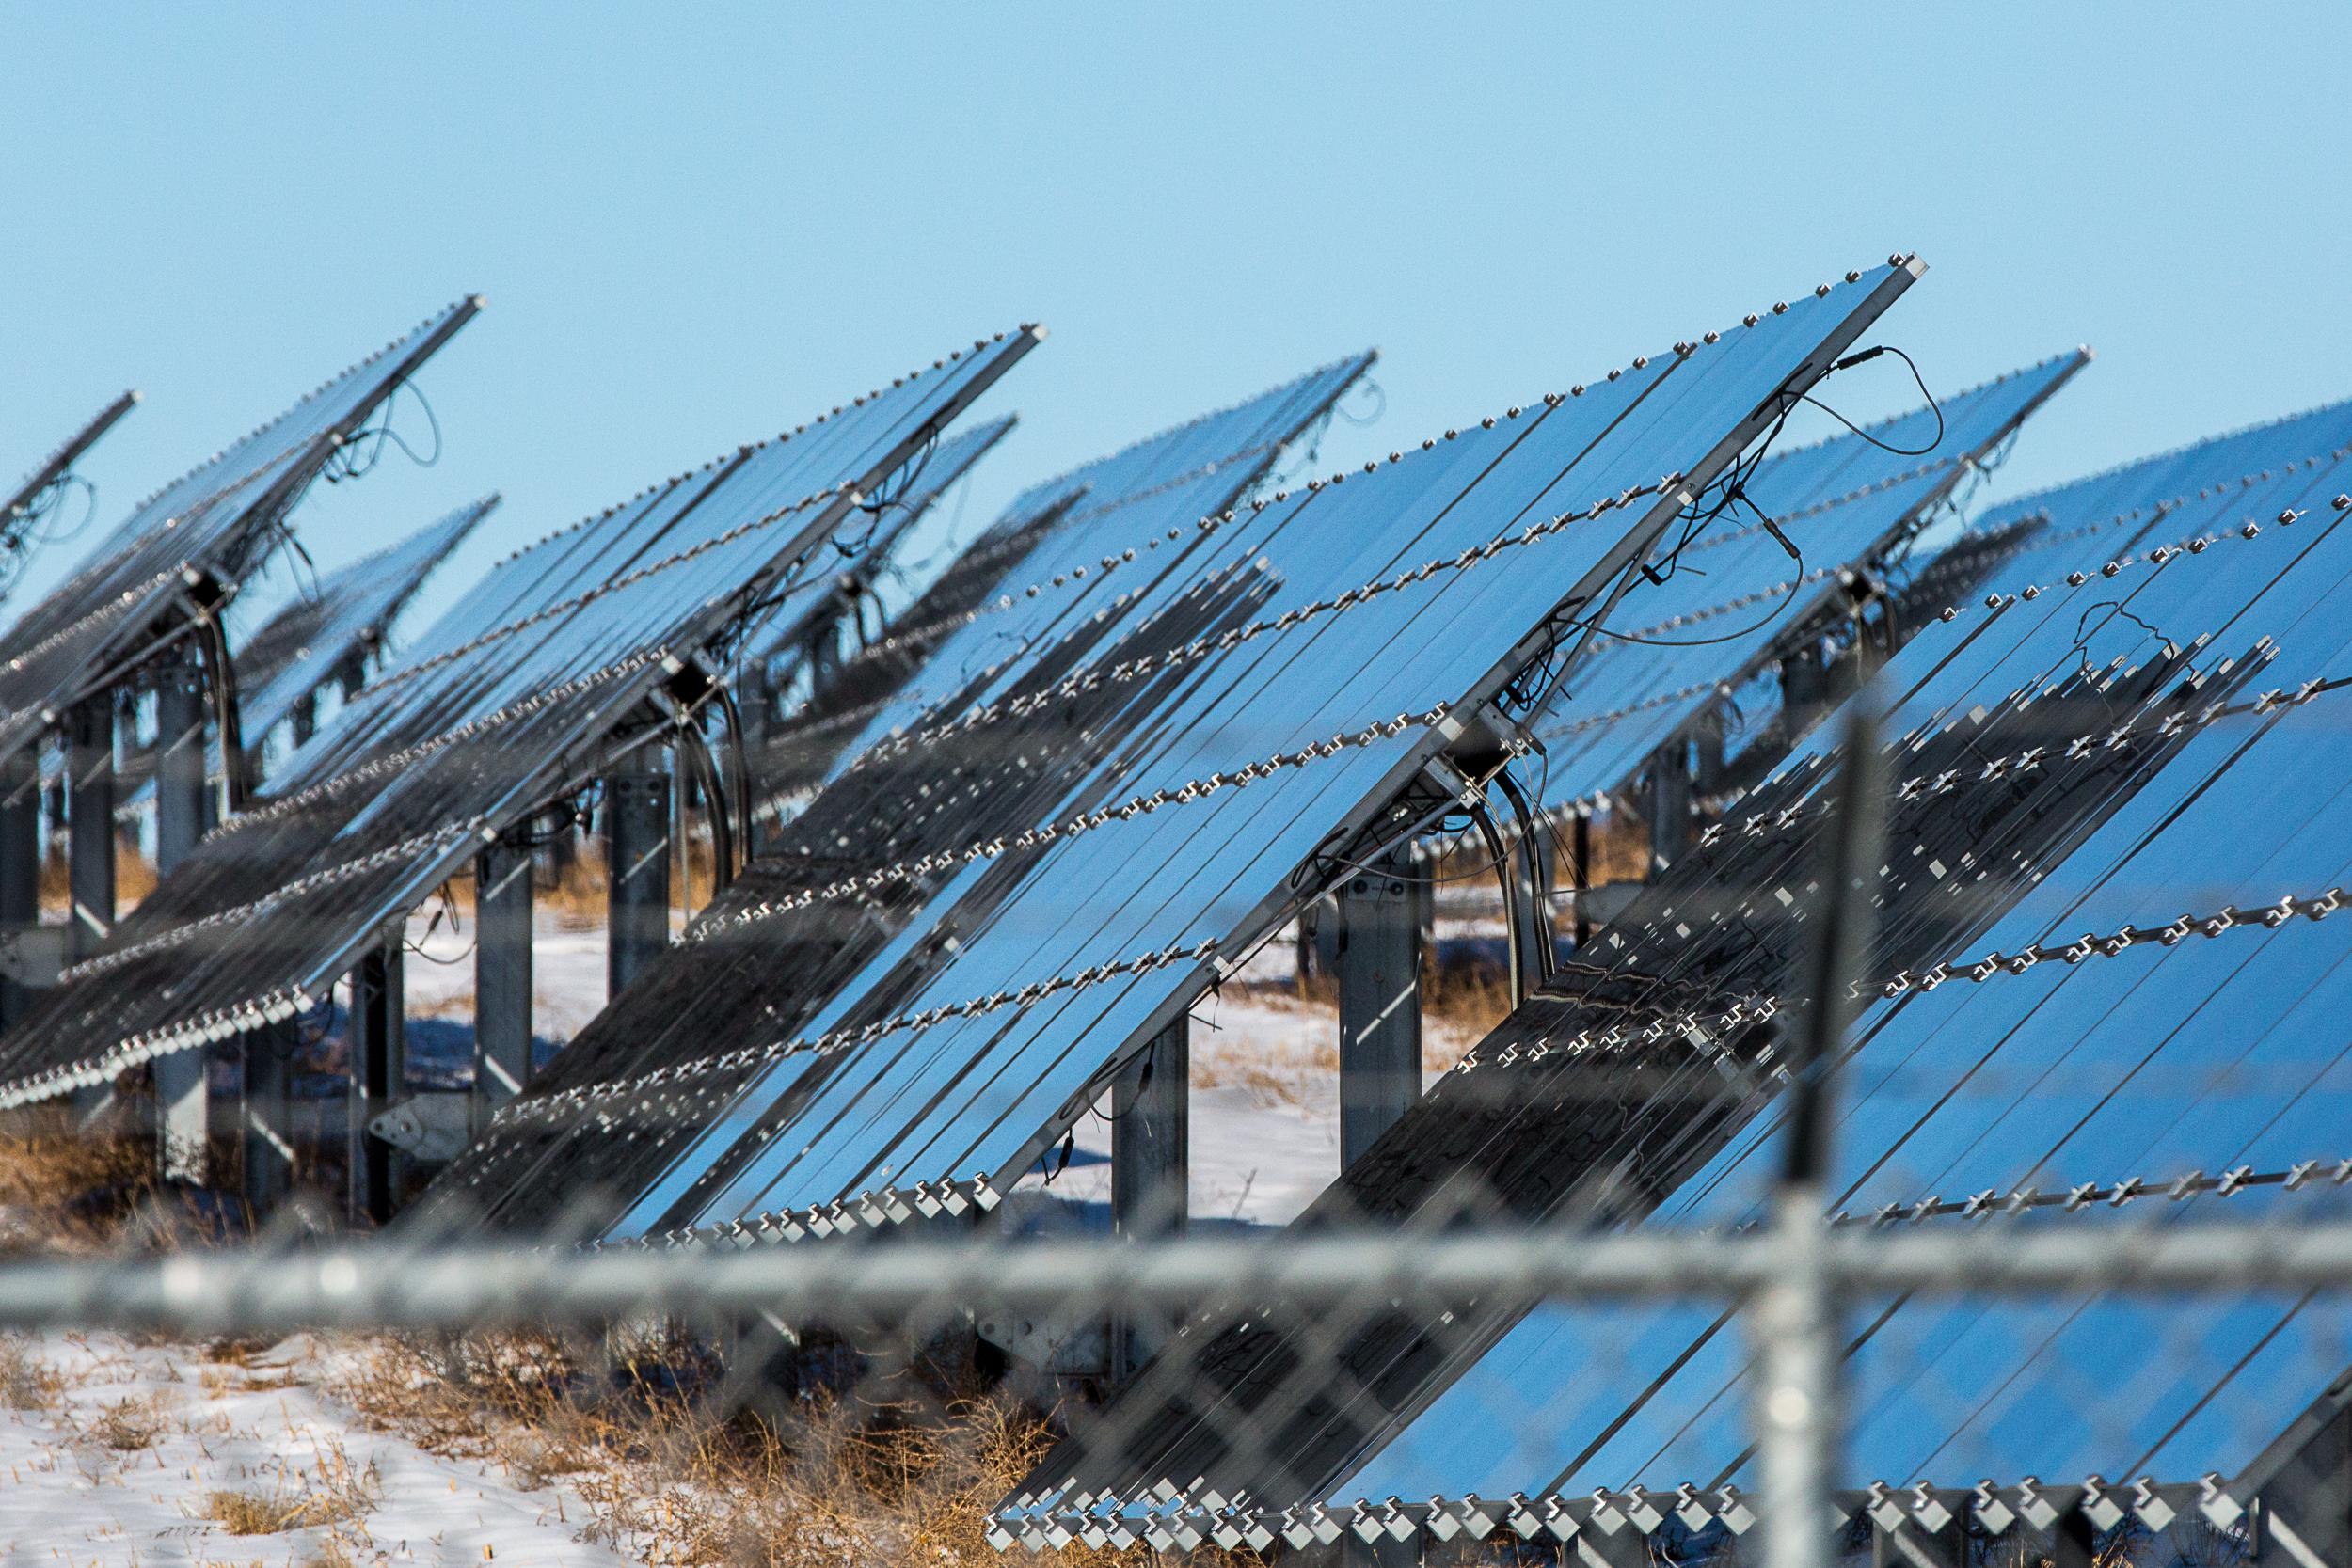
1794,1319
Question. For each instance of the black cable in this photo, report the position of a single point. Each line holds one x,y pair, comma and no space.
1933,407
359,454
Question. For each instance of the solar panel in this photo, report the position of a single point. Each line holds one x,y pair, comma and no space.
1036,572
2070,1022
339,622
1358,634
1742,600
520,692
803,647
36,500
326,634
185,545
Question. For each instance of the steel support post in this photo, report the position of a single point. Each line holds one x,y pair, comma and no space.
1803,689
1580,851
501,979
2305,1509
1707,751
1628,1547
2074,1545
20,866
379,1063
184,1117
90,818
637,860
179,765
266,1131
1378,962
306,718
1669,805
1150,1171
183,1107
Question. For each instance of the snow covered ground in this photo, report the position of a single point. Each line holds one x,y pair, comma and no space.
1266,1101
114,1452
567,982
1265,1104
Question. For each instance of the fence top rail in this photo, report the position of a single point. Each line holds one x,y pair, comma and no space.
380,1285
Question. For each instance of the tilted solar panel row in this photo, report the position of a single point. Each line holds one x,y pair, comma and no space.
344,615
2127,701
325,635
182,545
515,694
692,1000
781,651
43,492
1056,558
1374,630
1740,601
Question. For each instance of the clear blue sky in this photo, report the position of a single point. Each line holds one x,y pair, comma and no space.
697,225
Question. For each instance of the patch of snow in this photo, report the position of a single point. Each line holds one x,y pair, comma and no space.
263,1429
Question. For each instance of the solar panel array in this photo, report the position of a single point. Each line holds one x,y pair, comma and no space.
343,617
1032,575
2102,993
891,519
1739,600
1338,642
1016,593
196,535
513,695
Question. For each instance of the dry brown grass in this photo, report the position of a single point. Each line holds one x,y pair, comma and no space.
576,895
57,891
65,1190
816,1483
1470,998
331,1492
27,1382
44,1161
128,1425
135,877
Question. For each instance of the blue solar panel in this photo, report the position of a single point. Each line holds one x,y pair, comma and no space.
1346,635
2204,1050
213,519
343,614
1110,516
1844,503
878,550
498,706
1036,574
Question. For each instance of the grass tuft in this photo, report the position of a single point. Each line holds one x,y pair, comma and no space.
26,1381
128,1425
820,1480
